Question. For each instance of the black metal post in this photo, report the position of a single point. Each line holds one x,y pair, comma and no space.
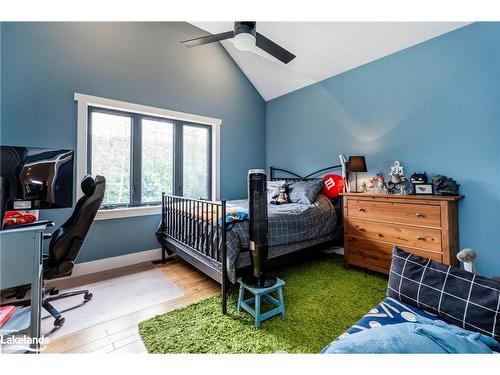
225,280
163,260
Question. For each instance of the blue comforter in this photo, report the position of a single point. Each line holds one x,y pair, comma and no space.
423,336
395,327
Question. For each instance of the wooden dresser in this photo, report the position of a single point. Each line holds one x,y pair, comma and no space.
424,225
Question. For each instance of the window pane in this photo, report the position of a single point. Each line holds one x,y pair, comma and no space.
110,140
157,159
196,159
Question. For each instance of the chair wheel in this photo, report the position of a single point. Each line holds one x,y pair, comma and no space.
87,297
59,322
54,292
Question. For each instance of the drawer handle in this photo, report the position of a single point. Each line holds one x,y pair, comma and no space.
361,209
420,238
361,251
418,214
360,228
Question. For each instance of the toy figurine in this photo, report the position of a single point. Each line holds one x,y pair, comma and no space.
397,171
445,186
363,187
381,186
399,185
419,178
371,183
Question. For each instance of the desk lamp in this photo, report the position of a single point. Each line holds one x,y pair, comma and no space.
356,164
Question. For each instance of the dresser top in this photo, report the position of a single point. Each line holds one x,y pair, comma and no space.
409,197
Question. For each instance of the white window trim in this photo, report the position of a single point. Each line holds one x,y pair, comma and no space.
84,101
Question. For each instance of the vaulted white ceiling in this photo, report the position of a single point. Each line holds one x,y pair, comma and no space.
323,49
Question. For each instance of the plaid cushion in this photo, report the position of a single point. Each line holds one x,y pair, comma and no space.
460,297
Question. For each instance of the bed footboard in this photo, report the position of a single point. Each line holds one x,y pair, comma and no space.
196,231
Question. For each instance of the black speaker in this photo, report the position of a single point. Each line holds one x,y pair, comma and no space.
257,212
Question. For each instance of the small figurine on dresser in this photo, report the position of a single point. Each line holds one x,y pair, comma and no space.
371,184
399,185
363,187
445,186
419,178
381,185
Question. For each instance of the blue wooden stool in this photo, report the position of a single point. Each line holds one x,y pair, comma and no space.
259,296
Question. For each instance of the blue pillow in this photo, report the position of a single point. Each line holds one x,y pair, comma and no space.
305,192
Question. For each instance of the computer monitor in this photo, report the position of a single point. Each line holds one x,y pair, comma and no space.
35,178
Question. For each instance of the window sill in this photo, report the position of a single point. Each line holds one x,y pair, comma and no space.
117,213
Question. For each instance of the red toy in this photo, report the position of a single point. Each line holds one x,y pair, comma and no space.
17,217
5,313
333,185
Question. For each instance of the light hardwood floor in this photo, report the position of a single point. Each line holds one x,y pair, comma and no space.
120,335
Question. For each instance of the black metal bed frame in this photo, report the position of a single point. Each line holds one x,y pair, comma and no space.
192,236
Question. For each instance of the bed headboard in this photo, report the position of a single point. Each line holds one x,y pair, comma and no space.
285,174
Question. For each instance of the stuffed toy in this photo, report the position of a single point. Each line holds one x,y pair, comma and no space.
282,197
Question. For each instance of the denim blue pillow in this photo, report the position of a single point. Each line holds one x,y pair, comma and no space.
305,192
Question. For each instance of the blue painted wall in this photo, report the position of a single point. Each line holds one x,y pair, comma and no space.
44,64
435,107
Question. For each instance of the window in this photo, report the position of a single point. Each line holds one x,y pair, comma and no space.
142,156
144,151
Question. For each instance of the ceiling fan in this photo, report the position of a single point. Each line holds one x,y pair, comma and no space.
245,38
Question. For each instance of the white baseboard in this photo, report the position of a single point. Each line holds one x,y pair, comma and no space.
115,262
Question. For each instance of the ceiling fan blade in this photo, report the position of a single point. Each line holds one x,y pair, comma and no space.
208,39
273,49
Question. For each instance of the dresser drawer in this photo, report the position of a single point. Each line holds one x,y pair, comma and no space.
407,213
377,255
424,238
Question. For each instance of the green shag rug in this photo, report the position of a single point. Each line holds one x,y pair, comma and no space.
322,299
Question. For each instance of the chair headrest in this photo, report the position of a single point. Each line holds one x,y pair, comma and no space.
87,185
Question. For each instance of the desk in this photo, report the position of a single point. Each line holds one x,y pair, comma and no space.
20,264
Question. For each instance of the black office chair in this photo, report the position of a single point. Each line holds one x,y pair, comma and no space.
65,243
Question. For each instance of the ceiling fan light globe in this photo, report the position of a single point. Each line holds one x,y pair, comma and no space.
244,41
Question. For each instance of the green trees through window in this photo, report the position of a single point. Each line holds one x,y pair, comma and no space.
111,151
157,159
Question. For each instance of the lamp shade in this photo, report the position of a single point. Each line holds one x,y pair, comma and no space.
356,164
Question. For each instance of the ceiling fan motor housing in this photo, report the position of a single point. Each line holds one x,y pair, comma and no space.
247,27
